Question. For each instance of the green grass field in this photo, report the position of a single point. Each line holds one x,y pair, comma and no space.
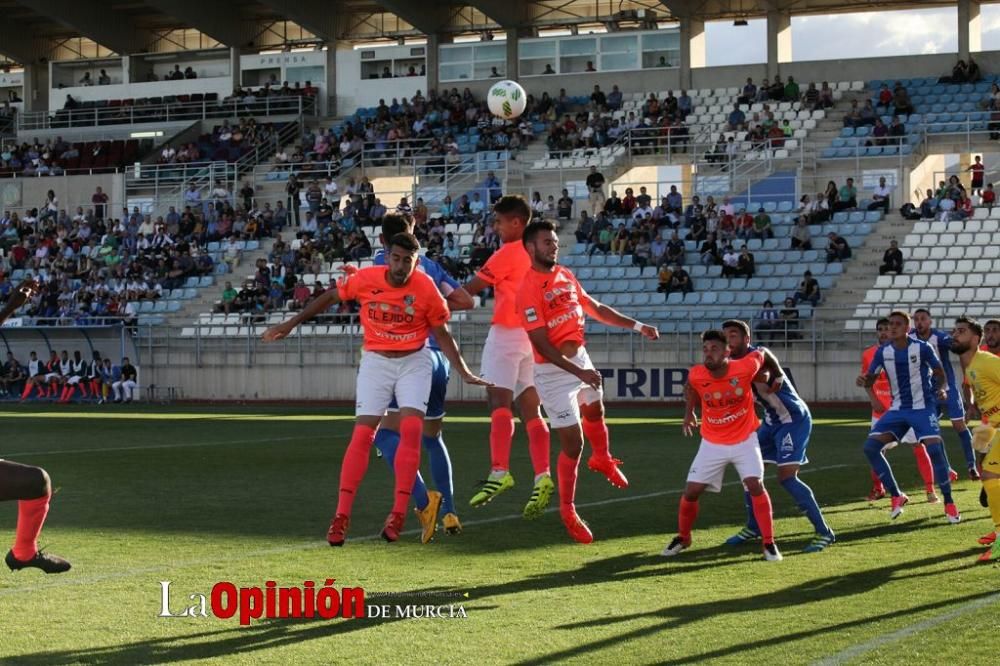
201,495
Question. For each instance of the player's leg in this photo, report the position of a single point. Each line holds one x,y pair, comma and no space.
386,443
116,388
987,437
965,437
433,442
793,440
412,387
558,391
32,489
706,472
884,433
939,461
128,390
924,467
746,457
28,385
769,454
595,429
376,377
567,468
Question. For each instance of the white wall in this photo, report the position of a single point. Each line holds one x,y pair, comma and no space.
353,92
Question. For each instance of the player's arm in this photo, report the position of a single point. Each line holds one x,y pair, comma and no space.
867,378
460,299
773,366
937,370
540,341
608,315
451,352
475,286
691,401
329,298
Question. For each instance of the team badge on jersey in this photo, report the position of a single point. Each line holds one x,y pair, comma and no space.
531,315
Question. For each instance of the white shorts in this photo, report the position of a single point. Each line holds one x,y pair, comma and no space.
709,465
52,375
508,359
562,393
909,438
380,377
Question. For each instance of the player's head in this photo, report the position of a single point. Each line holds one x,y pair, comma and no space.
991,335
737,334
65,355
125,360
882,330
393,224
714,348
922,320
512,216
403,257
34,356
966,335
542,244
77,356
899,325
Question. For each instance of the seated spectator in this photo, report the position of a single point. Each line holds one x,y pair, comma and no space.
664,277
790,320
880,197
901,102
614,99
736,119
709,251
228,296
826,96
810,98
745,264
837,249
897,132
602,243
642,253
749,93
620,240
879,134
928,206
762,227
767,322
564,207
868,115
103,79
959,73
86,80
884,98
801,236
792,90
847,197
679,281
675,250
973,73
989,197
808,291
892,260
730,262
744,224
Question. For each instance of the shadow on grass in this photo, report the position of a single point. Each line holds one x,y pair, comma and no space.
823,589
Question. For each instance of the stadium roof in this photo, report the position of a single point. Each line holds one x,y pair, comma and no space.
35,28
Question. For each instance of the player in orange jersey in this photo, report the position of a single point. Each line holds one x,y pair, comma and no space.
30,486
507,362
552,306
881,397
399,307
723,388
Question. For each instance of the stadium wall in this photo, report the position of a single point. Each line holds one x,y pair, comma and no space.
330,376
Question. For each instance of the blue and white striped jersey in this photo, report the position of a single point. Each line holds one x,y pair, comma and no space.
784,406
941,342
909,373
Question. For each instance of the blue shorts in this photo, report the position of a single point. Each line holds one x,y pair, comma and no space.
785,443
954,407
896,422
439,387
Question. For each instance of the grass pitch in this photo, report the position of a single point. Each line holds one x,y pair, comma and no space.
201,495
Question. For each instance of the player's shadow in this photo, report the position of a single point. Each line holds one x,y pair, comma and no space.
823,589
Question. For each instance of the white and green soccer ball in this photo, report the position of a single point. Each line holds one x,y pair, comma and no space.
507,100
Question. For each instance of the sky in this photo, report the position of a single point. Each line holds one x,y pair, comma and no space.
918,31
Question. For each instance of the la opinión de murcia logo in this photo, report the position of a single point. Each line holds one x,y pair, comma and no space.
226,601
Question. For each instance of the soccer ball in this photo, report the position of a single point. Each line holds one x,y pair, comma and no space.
507,100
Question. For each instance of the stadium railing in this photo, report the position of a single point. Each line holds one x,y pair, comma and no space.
132,114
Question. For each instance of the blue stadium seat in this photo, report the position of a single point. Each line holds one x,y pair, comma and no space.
585,273
726,297
206,281
642,298
847,131
617,273
191,282
602,273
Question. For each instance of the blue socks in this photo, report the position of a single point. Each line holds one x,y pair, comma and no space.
805,500
970,457
939,461
751,519
387,441
873,451
441,471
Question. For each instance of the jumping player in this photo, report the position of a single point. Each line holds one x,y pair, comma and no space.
880,396
30,486
399,308
428,503
552,305
783,439
982,371
924,330
912,367
507,363
729,436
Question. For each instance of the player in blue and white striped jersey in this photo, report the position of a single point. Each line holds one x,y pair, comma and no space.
783,438
923,329
918,383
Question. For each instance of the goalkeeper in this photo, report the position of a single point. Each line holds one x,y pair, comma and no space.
982,372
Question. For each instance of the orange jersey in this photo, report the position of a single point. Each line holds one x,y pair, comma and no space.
881,387
504,271
728,415
553,301
394,318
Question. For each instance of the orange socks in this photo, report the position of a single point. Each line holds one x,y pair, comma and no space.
501,436
354,466
538,445
30,518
